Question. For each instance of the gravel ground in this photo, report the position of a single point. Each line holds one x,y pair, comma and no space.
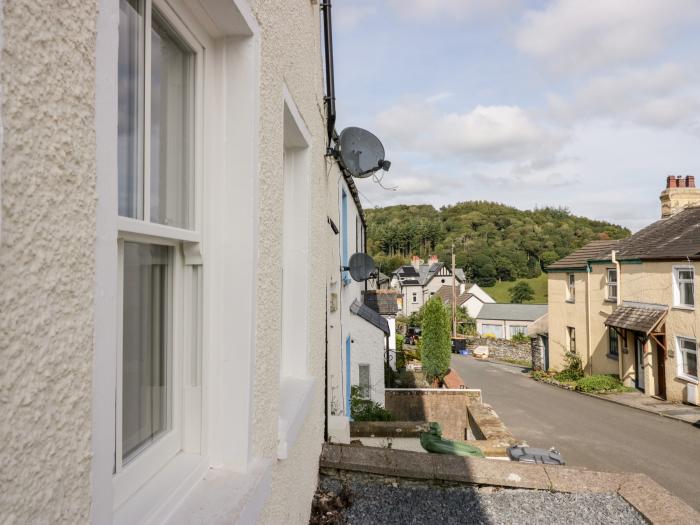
374,501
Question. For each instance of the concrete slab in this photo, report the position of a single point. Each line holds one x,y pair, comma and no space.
564,479
656,504
480,471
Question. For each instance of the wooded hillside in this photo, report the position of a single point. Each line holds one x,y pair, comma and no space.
493,242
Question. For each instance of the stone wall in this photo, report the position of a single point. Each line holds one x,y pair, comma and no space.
537,353
502,348
447,407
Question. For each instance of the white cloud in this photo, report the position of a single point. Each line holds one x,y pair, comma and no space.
347,17
575,35
493,133
662,97
437,97
450,9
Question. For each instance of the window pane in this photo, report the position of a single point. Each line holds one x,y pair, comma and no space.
130,118
613,341
685,274
690,363
687,293
172,90
146,356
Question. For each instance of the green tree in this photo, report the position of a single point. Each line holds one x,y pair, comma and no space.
436,346
521,292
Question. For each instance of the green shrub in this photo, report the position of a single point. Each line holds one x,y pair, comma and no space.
601,383
573,370
436,347
400,356
520,338
362,409
568,376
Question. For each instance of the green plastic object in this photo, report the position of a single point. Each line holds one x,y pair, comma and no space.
432,441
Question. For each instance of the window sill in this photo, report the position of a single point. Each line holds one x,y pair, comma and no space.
610,300
687,379
296,394
224,496
569,301
613,357
683,307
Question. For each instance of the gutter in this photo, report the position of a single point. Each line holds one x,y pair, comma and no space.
330,73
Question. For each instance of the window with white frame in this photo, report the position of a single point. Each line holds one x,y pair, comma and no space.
571,336
570,287
684,286
415,297
517,330
687,361
160,292
612,284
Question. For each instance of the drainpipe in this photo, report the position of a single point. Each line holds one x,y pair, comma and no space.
588,320
330,73
618,301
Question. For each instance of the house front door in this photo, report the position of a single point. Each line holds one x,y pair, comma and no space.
639,363
661,370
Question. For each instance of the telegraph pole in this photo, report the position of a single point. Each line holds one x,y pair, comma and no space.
454,295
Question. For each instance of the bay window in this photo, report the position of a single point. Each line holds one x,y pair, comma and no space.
159,284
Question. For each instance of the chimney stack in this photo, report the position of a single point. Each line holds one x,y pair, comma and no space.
433,259
415,261
680,193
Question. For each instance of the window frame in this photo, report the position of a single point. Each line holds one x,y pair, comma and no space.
611,284
365,391
571,338
680,351
570,287
517,329
677,287
613,336
186,407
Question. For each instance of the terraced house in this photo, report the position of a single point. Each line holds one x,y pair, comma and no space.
629,307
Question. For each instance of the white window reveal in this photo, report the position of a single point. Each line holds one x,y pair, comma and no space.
516,330
687,360
684,286
158,412
495,330
612,284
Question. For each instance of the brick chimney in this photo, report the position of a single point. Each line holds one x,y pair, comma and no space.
433,259
415,261
680,193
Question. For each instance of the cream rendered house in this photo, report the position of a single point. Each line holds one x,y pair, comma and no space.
628,307
162,333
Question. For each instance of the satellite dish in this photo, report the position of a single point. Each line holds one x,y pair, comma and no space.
361,266
361,153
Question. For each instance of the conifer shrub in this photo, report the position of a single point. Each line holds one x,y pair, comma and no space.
436,347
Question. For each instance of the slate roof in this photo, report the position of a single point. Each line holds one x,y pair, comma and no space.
591,251
640,317
512,312
445,293
673,238
424,273
370,316
382,301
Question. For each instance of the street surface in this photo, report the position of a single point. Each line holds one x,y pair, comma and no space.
590,432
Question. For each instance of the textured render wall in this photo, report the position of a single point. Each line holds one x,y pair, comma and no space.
47,260
290,53
563,314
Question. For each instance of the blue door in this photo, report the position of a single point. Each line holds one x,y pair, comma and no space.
347,377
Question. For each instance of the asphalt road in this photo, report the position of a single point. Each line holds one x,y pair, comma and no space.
589,432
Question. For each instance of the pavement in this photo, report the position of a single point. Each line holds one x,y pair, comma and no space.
686,413
589,432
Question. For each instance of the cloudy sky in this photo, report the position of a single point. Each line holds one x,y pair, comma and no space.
586,104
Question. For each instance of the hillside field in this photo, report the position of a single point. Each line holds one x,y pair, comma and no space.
501,294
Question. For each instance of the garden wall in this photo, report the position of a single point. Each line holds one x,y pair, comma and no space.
447,407
502,348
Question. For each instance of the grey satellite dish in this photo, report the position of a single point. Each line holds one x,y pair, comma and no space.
361,153
361,266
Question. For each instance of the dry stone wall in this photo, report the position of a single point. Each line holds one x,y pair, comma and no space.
502,348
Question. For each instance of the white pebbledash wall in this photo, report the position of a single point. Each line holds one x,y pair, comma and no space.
47,266
54,466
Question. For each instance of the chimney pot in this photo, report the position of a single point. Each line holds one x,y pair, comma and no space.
690,181
680,181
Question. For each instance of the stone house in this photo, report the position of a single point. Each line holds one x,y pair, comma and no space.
628,307
164,184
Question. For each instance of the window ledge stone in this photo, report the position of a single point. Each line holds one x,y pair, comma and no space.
296,394
614,357
688,379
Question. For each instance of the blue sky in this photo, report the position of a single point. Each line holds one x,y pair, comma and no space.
583,104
